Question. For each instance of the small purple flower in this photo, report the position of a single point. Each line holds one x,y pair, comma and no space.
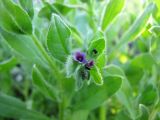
89,64
80,57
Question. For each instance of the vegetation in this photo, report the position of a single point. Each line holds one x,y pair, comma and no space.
79,60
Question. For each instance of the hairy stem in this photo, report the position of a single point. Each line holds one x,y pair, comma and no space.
56,72
47,57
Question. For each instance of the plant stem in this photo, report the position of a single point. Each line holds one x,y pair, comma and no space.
56,72
61,110
153,114
77,39
102,112
155,110
49,60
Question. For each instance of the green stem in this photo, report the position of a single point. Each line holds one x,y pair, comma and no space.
47,57
56,72
77,39
102,112
153,114
61,110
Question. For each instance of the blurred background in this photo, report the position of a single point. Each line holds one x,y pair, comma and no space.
133,57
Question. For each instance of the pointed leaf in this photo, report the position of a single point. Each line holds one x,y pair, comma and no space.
96,75
58,39
112,9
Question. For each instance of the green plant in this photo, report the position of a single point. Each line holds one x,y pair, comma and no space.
79,59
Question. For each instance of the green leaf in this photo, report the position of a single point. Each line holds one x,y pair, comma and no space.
58,39
28,7
85,1
96,75
80,75
63,8
57,8
122,115
42,85
13,18
113,70
101,60
158,6
155,30
144,113
8,64
96,47
112,9
134,74
144,61
138,26
149,95
98,35
124,94
80,114
155,50
24,47
13,108
7,22
92,96
70,66
134,70
46,12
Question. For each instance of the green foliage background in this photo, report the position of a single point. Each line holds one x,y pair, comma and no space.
39,80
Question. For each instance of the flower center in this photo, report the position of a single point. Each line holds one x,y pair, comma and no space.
80,58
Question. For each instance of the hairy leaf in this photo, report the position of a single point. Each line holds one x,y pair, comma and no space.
96,75
58,39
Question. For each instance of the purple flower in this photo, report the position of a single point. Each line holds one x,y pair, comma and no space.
80,57
89,64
